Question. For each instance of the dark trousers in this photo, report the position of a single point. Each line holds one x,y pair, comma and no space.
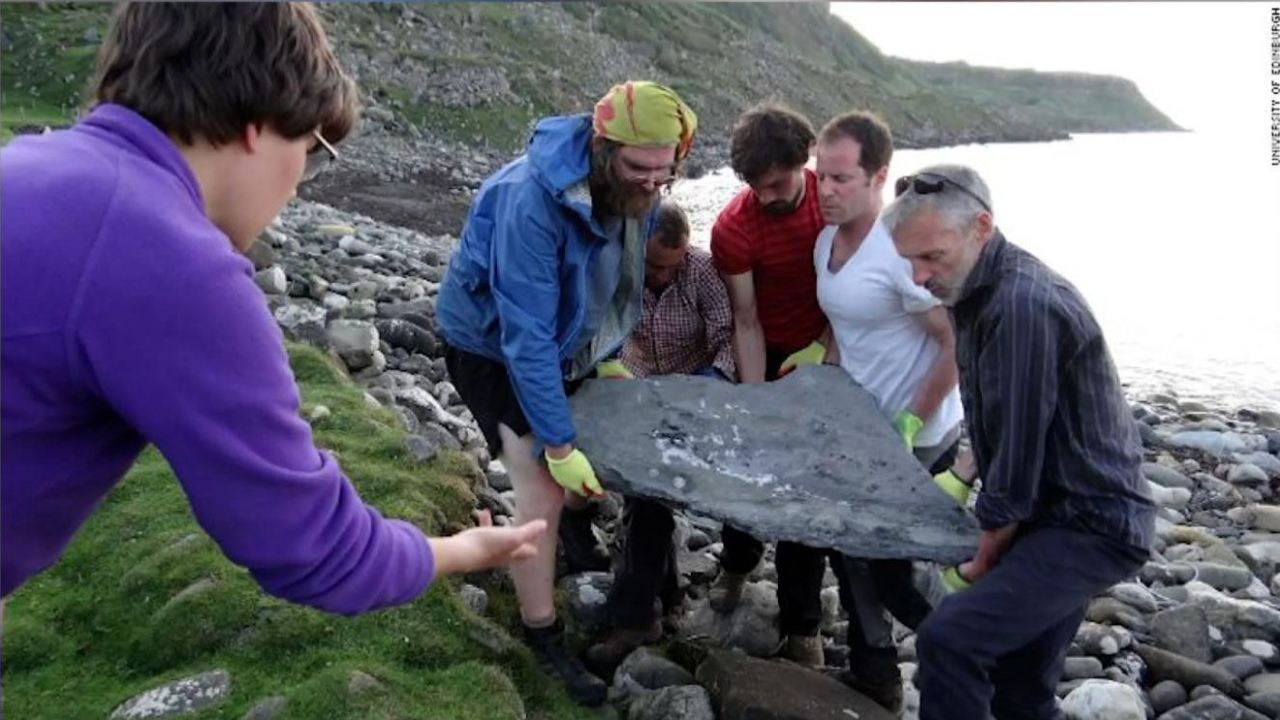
648,570
998,647
648,565
800,568
891,586
648,562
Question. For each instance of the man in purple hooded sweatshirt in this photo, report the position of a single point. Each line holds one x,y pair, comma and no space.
131,317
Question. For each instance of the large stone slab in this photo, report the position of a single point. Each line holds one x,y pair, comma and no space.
746,688
808,458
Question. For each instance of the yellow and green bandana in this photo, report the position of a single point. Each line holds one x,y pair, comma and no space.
645,113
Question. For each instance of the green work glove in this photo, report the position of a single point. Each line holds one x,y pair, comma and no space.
954,581
811,355
613,370
908,425
574,473
954,487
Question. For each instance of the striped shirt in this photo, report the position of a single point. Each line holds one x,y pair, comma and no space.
686,327
778,251
1053,436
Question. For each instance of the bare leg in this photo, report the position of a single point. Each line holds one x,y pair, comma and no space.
537,496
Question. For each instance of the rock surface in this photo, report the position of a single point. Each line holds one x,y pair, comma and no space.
1103,700
838,478
747,688
678,702
180,697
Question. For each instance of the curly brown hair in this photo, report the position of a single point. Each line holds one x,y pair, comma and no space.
209,69
767,136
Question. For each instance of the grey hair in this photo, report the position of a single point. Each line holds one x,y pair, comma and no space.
959,211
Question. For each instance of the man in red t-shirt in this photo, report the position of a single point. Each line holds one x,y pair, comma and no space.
762,244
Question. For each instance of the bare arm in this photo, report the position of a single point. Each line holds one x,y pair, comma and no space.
748,334
828,340
966,466
944,374
484,547
717,315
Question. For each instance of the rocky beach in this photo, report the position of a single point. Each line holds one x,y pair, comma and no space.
352,269
1194,635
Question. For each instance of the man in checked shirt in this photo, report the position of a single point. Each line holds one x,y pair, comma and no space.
1064,509
686,329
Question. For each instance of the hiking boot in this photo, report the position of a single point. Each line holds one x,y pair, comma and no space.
887,694
580,550
803,650
726,591
605,656
555,660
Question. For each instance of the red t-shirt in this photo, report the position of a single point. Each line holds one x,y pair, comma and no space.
778,251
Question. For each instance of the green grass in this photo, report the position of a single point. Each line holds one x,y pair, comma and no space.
44,77
17,113
103,623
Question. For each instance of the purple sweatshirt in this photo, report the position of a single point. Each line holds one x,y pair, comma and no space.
128,318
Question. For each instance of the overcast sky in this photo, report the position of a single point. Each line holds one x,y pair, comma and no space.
1204,64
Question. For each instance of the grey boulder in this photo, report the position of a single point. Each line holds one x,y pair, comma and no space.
180,697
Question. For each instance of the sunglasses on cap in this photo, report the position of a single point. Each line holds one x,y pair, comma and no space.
318,157
930,183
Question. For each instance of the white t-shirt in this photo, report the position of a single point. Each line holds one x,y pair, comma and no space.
872,304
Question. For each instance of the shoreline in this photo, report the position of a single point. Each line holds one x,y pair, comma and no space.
365,291
383,174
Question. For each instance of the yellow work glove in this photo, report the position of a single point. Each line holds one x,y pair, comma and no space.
954,487
613,370
573,472
908,425
811,355
954,581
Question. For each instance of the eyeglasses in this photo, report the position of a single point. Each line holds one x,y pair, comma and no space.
934,184
318,158
640,175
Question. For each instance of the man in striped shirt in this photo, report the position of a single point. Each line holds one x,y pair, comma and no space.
762,243
1064,509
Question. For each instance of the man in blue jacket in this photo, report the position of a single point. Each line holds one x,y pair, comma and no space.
543,289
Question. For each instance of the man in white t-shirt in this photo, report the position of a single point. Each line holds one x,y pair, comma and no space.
895,339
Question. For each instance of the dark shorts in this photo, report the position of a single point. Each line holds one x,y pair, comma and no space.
485,388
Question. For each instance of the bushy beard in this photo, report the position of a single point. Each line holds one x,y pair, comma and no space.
633,201
620,198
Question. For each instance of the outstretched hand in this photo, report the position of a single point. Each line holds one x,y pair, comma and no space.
486,546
